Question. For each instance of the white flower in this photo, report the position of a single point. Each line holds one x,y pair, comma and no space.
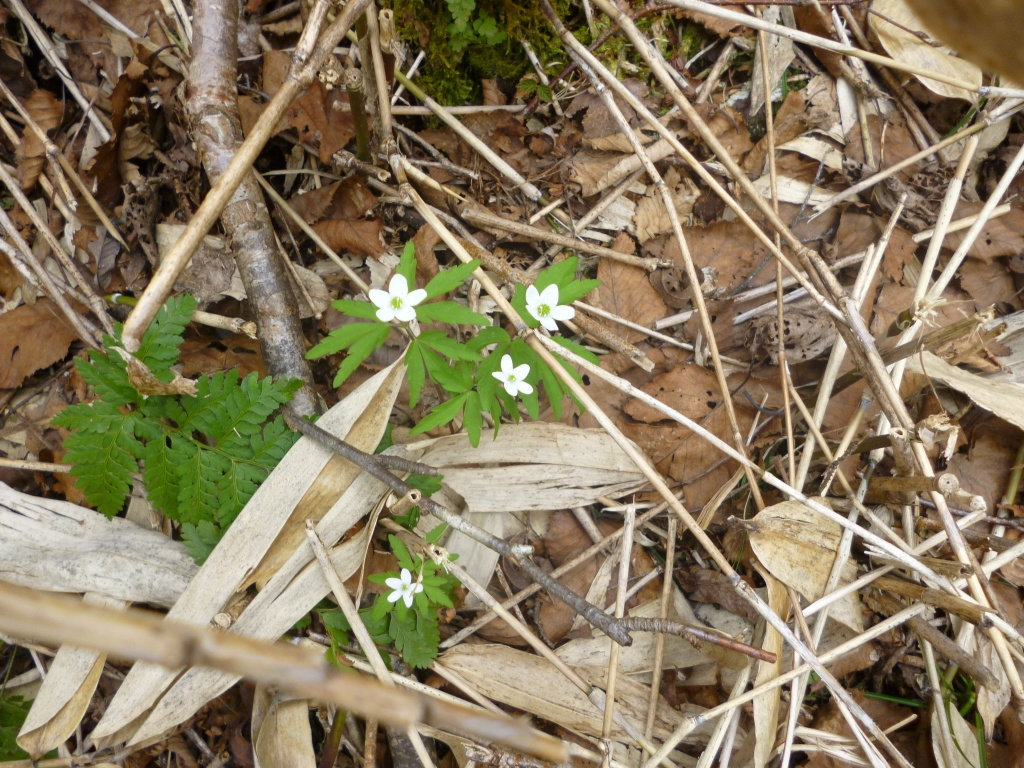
397,302
513,377
543,305
404,588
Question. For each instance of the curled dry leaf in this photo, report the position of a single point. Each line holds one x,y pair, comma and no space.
32,336
798,546
893,20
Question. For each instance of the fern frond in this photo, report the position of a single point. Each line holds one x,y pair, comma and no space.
160,343
200,539
105,453
108,377
161,476
199,471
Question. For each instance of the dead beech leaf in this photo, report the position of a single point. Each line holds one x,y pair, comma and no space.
361,236
1001,236
894,21
627,292
798,546
46,111
651,218
32,336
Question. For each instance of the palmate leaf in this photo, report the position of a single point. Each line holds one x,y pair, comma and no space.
448,280
449,312
108,376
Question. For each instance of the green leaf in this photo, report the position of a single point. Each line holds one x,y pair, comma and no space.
105,454
416,638
407,264
159,347
427,484
361,350
434,534
13,713
454,380
472,419
577,289
345,337
416,373
449,312
353,308
553,389
402,553
485,337
440,414
448,280
200,539
575,348
160,476
439,342
560,273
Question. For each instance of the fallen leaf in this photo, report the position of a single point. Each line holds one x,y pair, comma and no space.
32,336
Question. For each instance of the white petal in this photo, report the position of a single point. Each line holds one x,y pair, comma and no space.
405,314
406,577
525,387
415,297
408,599
521,371
510,387
507,366
548,322
394,583
498,375
394,596
549,295
532,296
563,312
386,313
380,298
399,286
417,587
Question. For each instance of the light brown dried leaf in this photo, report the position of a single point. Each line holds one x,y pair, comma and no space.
32,336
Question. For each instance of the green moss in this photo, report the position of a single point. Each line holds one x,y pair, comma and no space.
467,41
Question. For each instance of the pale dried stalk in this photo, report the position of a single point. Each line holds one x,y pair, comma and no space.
355,621
25,262
691,270
140,636
659,641
581,52
761,290
870,181
71,268
831,45
53,152
625,556
306,60
476,216
441,557
835,360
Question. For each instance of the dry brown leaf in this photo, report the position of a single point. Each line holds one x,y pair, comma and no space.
46,111
798,546
360,236
1001,236
32,336
895,22
627,292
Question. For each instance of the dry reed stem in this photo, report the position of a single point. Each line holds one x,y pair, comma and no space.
141,636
